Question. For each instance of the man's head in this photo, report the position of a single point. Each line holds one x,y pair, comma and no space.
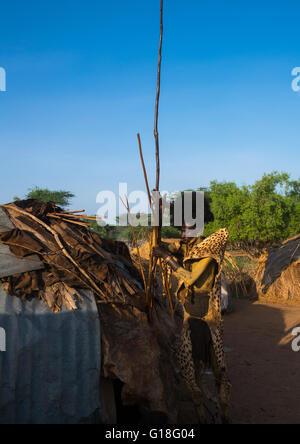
187,211
186,230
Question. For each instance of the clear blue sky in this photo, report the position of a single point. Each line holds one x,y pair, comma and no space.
81,79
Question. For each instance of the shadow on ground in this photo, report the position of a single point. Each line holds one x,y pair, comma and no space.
263,368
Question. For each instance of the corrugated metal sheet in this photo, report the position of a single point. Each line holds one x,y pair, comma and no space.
50,371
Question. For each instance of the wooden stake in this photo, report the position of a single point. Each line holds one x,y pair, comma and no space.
136,243
156,135
72,212
156,232
144,169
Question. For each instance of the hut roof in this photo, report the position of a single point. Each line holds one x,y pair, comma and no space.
48,247
279,259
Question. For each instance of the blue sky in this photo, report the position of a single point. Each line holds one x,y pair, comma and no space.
81,80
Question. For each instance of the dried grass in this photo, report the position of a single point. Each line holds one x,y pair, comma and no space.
239,270
285,290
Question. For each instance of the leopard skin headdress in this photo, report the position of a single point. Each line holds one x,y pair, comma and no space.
214,246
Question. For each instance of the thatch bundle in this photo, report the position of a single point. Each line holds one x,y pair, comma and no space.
278,273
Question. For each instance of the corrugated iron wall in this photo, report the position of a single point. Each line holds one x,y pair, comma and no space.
50,371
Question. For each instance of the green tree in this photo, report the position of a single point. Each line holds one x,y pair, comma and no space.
227,205
61,198
267,211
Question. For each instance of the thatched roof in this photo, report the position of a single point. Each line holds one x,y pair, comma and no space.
71,255
278,273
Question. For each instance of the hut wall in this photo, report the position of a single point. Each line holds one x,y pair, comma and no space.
285,289
50,371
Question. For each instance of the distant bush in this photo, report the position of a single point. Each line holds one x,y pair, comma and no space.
267,211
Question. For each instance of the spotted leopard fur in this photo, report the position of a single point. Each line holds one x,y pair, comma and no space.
214,247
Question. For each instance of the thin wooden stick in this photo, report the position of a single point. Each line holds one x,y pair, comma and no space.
151,257
70,221
156,135
73,212
157,231
167,286
144,169
150,267
151,274
72,216
155,236
82,224
136,242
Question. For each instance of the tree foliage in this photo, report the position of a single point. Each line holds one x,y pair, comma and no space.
267,211
61,198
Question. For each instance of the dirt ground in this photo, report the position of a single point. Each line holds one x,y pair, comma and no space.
263,368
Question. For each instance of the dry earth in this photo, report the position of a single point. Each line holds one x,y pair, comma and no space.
263,368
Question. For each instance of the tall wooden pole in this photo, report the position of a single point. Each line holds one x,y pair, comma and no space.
156,135
157,231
